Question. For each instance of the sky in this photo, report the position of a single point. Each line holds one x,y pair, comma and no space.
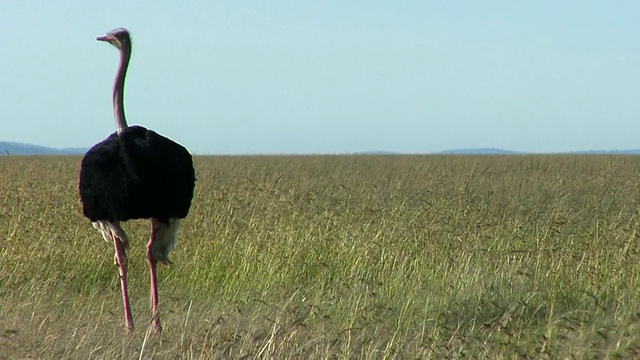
328,77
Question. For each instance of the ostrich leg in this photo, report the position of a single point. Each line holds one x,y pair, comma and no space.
155,317
163,237
121,263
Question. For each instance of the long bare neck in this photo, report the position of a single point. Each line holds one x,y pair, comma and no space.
118,90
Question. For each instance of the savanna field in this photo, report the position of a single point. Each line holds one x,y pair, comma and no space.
337,257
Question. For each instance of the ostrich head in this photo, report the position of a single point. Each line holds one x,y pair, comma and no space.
119,38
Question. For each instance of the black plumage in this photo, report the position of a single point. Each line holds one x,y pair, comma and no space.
137,174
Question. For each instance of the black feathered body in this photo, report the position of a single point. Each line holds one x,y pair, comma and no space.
136,174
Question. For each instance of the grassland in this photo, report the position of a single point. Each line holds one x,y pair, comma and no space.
354,257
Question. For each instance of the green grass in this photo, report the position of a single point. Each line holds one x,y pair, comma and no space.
358,257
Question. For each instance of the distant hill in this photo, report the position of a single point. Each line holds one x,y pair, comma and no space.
15,148
378,152
480,151
610,152
494,151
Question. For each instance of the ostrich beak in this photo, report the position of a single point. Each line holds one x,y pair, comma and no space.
104,38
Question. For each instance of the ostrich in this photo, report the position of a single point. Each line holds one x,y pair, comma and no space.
135,173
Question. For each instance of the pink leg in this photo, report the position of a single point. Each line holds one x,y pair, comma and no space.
121,263
155,317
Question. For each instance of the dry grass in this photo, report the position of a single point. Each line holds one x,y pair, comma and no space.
358,257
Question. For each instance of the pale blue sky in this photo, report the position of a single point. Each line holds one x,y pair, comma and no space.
237,77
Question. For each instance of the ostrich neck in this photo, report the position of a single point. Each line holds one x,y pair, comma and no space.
118,91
